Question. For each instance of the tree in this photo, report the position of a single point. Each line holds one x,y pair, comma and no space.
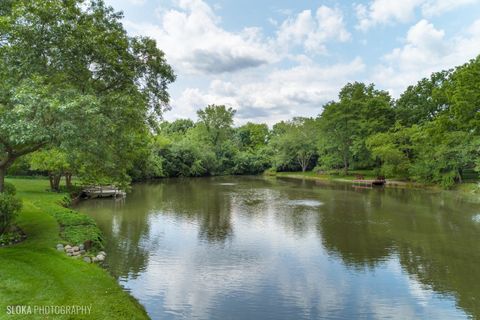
179,126
295,142
70,76
422,102
463,92
55,163
447,140
394,150
441,158
360,112
252,136
218,121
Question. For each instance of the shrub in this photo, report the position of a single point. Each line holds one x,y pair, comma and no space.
9,208
270,172
10,238
319,169
448,180
250,163
10,189
76,234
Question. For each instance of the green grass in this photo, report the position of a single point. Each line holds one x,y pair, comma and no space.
472,188
469,187
34,273
336,176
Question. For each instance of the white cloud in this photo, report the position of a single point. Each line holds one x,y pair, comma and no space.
437,7
313,32
426,50
379,12
385,12
278,95
244,69
194,43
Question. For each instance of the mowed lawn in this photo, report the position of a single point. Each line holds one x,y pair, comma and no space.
34,273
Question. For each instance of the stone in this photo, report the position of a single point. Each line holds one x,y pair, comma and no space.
100,258
68,247
82,251
102,253
94,259
70,250
69,254
76,253
87,259
81,247
60,247
76,248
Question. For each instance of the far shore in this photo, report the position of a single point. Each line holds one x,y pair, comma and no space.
466,187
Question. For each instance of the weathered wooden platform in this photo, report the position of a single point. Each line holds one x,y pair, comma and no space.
370,183
103,192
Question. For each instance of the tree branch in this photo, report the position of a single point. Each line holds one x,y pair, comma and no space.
28,150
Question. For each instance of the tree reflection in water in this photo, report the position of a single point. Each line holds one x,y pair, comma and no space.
432,235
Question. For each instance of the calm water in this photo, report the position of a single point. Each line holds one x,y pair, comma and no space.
257,248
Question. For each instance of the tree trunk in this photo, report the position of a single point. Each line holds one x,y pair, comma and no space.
68,180
3,173
11,156
303,161
55,179
52,184
459,173
56,182
345,166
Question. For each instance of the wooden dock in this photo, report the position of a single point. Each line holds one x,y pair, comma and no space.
369,183
103,192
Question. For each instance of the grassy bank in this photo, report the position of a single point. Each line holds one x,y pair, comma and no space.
34,273
469,187
338,177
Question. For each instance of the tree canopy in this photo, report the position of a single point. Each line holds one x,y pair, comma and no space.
84,95
72,77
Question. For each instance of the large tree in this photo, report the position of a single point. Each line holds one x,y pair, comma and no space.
360,112
294,143
217,121
422,102
252,136
71,76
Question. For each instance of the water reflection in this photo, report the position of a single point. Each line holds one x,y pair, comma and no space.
243,248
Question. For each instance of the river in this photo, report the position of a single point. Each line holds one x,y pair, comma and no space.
270,248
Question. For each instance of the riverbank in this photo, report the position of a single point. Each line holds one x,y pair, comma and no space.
467,188
34,273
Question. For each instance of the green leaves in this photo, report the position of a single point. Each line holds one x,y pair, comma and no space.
294,144
218,121
346,124
71,77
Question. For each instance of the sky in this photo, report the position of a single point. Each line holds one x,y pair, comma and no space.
273,60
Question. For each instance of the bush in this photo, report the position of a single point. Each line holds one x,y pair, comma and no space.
9,208
77,234
10,238
318,169
448,180
250,163
270,172
10,189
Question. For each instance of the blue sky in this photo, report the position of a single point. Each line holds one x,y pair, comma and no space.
273,60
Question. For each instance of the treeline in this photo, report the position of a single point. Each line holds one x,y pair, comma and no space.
429,134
